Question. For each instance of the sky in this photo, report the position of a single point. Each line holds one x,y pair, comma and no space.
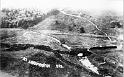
96,6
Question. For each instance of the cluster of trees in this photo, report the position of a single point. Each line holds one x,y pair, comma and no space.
20,18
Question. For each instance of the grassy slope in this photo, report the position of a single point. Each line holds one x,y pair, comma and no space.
50,22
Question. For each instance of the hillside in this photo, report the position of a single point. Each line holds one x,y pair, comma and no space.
47,37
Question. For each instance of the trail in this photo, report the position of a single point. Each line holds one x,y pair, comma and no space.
86,20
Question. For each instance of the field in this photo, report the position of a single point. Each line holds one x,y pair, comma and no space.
46,38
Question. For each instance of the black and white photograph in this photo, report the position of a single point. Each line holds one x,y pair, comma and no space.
61,38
